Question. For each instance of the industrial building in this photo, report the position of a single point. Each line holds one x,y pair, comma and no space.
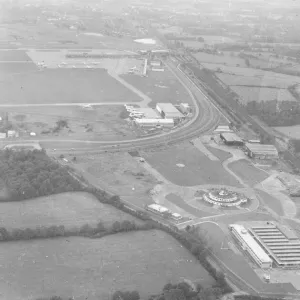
169,111
155,63
149,113
156,208
154,122
231,139
223,128
251,246
261,151
281,243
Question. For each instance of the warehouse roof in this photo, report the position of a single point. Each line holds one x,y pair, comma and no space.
262,149
158,208
149,113
157,121
170,109
231,137
251,243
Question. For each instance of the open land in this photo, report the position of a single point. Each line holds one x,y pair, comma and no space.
119,173
160,87
97,123
96,268
290,131
247,172
271,202
68,209
220,59
198,168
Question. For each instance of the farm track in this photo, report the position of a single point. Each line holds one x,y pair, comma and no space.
206,118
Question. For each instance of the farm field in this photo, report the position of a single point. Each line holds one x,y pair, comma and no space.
64,85
198,168
178,201
262,94
68,209
271,202
220,154
220,59
160,87
13,55
118,172
96,268
97,123
290,131
247,172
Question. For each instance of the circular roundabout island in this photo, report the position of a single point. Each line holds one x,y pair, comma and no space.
223,197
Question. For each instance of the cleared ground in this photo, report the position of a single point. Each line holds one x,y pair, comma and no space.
198,168
225,59
290,131
120,173
68,209
95,268
14,55
97,123
247,172
160,87
271,202
64,85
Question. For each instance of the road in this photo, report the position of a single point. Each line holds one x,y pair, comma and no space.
205,119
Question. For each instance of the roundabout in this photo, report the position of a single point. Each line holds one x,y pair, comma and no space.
224,197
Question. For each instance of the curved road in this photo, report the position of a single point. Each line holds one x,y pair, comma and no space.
206,117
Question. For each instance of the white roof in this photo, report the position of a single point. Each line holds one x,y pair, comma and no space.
158,208
176,215
149,113
262,149
169,109
157,121
251,243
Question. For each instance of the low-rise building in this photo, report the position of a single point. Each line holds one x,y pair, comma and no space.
231,139
154,122
2,135
12,134
261,151
156,208
169,111
185,108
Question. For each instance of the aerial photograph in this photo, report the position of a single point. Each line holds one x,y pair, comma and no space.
149,150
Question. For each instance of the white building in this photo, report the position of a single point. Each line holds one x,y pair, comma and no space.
154,122
157,208
149,113
185,108
12,133
2,135
169,111
249,244
155,63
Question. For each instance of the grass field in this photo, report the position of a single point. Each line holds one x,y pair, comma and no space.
178,201
95,268
198,168
68,209
220,154
220,59
271,202
14,55
259,94
247,172
99,123
160,87
290,131
64,85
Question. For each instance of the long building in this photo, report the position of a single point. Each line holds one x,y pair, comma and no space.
231,139
154,122
261,151
169,111
281,244
251,246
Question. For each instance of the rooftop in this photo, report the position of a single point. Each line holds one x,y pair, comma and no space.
149,113
262,149
231,137
158,208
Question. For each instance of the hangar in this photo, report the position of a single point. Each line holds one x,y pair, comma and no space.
169,111
261,151
231,139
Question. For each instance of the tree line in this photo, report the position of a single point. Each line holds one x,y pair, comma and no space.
29,174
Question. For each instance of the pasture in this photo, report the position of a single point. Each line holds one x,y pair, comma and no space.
96,268
198,168
102,122
290,131
68,209
247,172
64,86
13,56
272,202
160,87
262,94
220,59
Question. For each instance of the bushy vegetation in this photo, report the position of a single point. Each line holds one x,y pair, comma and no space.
29,174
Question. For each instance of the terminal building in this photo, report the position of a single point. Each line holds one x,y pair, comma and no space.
251,246
261,151
169,111
281,243
231,139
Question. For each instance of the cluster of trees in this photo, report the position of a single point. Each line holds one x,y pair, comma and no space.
29,174
85,230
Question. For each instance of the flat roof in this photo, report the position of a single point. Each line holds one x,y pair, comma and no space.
169,108
262,149
231,137
158,121
251,243
149,113
158,208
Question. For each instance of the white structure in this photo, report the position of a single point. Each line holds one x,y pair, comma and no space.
155,63
149,113
250,245
176,216
185,108
223,128
2,135
32,134
154,122
145,67
169,111
157,208
158,70
12,133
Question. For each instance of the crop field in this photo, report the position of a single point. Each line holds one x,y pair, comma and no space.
68,209
290,131
96,268
220,59
247,172
98,123
120,173
160,87
198,168
259,94
271,202
64,85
